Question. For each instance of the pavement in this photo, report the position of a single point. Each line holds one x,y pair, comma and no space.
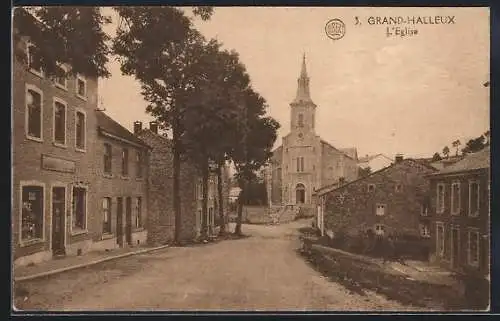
262,272
63,264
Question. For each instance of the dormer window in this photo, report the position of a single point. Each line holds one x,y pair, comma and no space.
371,187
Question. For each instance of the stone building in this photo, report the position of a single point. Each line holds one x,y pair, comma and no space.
53,183
460,214
121,186
304,162
393,199
161,217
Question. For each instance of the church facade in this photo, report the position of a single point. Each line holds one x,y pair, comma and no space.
304,162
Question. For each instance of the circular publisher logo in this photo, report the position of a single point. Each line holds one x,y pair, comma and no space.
335,29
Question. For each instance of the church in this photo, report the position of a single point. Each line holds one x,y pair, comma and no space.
304,162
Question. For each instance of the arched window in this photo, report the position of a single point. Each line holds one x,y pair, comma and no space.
300,121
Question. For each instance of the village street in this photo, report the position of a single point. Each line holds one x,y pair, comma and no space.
260,272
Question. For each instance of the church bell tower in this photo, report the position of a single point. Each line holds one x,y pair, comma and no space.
303,108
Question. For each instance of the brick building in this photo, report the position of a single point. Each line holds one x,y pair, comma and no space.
53,128
121,186
393,199
160,188
461,214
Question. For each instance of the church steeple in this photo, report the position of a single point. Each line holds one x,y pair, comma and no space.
303,93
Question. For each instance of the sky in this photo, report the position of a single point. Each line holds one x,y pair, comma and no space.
381,94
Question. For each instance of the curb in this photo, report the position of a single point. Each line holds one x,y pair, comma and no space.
82,265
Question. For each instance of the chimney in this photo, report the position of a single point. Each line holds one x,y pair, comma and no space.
137,127
153,126
398,158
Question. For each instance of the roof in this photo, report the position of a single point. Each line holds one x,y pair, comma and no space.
371,157
351,152
337,149
109,127
478,160
334,186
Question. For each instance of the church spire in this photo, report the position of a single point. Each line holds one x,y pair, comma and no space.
303,71
303,93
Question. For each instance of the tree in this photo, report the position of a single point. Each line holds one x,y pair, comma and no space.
64,35
436,157
474,145
252,147
159,47
212,113
363,172
456,144
446,151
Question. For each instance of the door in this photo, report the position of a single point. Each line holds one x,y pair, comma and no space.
58,227
455,247
119,221
300,194
128,220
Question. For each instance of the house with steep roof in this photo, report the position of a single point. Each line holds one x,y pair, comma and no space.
374,162
305,162
460,209
392,200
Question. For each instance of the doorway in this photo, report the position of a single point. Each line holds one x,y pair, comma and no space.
455,246
119,221
300,194
58,220
128,220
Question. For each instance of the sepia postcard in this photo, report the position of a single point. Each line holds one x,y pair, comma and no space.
319,159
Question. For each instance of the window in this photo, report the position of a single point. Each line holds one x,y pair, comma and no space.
34,113
199,190
473,248
32,213
108,157
440,239
106,215
211,217
279,174
139,164
440,198
424,209
398,188
300,121
79,215
80,131
455,198
61,80
371,187
81,87
473,198
379,229
138,218
425,230
34,60
59,122
125,162
300,164
380,209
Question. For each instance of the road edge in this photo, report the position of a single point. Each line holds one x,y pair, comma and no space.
82,265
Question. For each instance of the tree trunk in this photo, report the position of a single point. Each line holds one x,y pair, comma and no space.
222,221
204,208
239,219
176,187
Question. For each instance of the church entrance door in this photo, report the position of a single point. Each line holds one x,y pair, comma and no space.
300,194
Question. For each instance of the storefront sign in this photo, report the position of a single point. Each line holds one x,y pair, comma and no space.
57,164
